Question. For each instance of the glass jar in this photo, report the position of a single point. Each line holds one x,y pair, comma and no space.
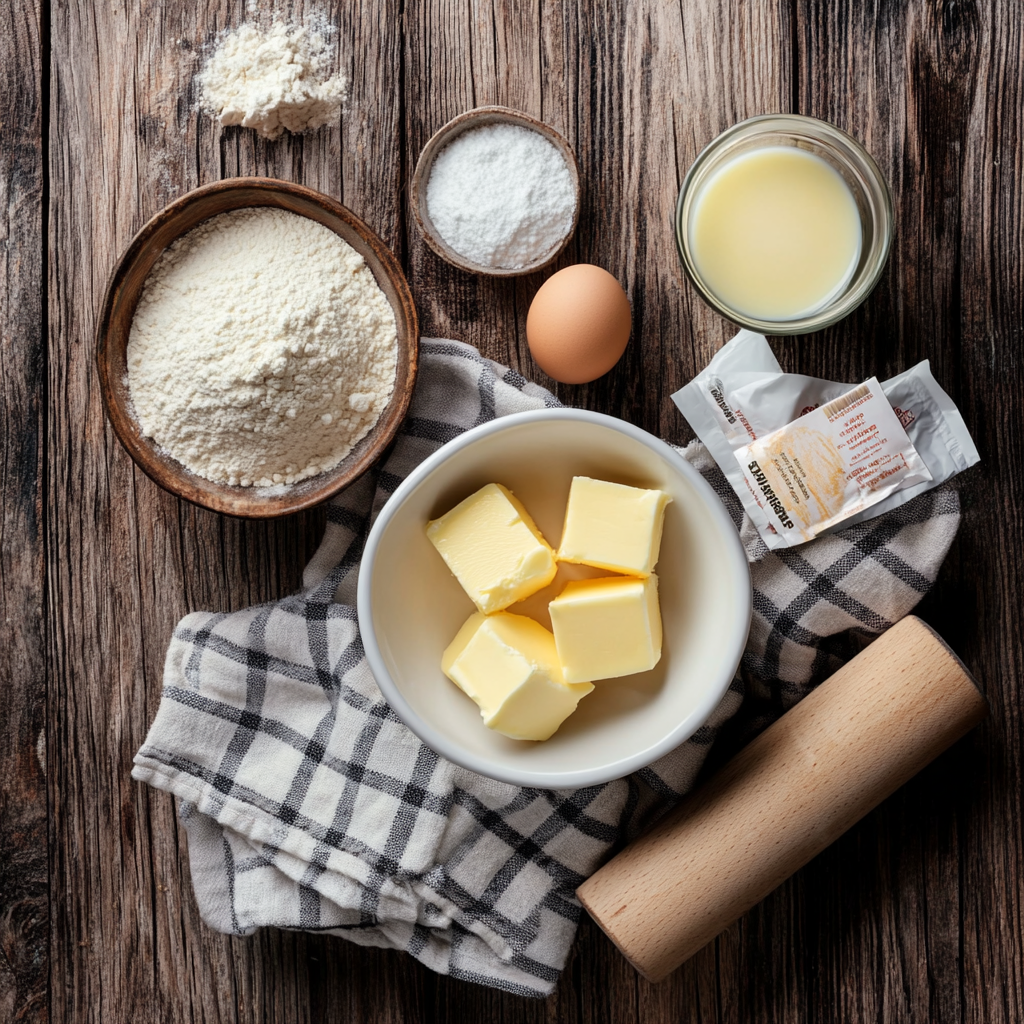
841,152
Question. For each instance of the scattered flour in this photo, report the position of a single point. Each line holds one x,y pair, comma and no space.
272,80
262,349
501,195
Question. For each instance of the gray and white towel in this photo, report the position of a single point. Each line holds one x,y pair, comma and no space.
309,805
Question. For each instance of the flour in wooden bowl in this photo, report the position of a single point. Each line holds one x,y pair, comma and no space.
262,349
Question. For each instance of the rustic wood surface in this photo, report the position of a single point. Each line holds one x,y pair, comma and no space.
24,874
915,914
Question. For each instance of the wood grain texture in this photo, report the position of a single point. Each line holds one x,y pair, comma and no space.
934,90
126,138
24,873
916,914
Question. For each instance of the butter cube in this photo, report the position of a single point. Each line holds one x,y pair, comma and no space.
612,526
494,548
607,627
508,664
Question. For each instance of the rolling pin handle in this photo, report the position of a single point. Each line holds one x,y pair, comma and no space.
786,796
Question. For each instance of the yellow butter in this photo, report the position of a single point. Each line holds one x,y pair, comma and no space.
612,526
607,627
508,665
493,548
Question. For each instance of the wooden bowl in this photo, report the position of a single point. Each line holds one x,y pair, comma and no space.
477,118
125,289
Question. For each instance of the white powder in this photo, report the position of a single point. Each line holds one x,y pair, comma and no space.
262,349
272,80
501,195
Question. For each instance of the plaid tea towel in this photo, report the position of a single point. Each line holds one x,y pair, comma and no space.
309,805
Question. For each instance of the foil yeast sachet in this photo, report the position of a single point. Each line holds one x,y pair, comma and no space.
857,456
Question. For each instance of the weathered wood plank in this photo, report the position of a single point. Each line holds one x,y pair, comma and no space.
638,89
915,915
24,873
849,937
691,70
980,607
457,56
126,139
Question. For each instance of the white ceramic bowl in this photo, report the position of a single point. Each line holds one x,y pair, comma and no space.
410,606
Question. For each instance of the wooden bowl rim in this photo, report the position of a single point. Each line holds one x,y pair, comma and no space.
167,472
474,118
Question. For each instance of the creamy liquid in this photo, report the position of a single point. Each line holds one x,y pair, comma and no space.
775,233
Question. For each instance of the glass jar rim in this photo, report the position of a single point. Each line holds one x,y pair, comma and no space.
844,148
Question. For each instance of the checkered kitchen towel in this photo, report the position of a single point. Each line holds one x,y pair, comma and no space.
309,805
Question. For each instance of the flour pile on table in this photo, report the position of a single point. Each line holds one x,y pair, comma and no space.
273,79
262,349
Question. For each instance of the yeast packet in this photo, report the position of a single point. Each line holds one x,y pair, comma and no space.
798,475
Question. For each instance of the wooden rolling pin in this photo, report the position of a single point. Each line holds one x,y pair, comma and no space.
785,797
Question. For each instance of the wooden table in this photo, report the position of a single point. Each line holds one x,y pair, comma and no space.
916,914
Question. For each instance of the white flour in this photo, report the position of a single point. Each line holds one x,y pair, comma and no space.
501,195
272,80
262,349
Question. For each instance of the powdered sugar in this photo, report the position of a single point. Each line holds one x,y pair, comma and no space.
262,349
272,79
501,195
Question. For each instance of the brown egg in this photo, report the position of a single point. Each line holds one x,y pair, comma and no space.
578,324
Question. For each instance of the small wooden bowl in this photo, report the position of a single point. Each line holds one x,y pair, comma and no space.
477,118
125,288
